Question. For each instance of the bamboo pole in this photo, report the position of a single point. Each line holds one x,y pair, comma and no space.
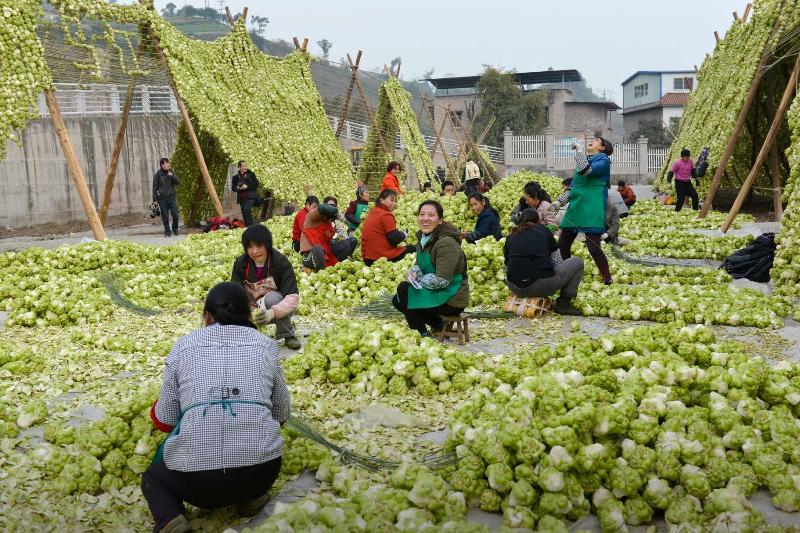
772,134
112,169
187,122
229,16
746,14
348,95
74,167
775,166
748,102
437,133
370,116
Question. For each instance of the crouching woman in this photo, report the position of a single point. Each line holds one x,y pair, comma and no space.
269,279
530,270
223,401
437,284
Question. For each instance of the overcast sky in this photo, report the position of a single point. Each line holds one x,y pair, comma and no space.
606,41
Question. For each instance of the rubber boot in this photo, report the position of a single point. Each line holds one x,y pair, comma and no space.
252,507
564,307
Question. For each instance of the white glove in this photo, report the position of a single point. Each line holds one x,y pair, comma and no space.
604,236
262,317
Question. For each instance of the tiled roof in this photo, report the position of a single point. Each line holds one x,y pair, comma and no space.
674,99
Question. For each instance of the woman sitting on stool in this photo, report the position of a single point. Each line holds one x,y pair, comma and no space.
223,401
437,284
530,271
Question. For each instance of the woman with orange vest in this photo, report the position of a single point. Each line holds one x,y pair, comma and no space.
379,234
391,180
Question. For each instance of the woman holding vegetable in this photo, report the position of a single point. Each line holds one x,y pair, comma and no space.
587,203
437,283
530,271
357,207
223,402
269,279
488,223
380,236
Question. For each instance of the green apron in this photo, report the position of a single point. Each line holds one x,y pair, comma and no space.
360,208
587,204
226,406
426,298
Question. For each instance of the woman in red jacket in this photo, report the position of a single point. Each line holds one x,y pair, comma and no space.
379,233
391,180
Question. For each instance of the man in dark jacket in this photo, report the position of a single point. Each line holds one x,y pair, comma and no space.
245,184
164,182
269,279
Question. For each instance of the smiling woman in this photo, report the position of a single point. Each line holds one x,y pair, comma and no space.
437,284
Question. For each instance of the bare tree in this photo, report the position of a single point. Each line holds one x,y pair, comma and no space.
259,24
325,45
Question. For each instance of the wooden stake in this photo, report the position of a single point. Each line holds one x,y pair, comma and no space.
187,122
304,48
74,167
112,169
364,100
716,36
348,95
748,102
746,14
772,134
229,16
735,15
775,166
437,134
244,15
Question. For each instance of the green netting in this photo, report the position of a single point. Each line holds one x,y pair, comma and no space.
261,109
393,115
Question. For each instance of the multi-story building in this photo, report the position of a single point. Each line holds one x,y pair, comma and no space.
567,113
655,96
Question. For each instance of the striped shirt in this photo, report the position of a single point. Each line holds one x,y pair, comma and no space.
237,367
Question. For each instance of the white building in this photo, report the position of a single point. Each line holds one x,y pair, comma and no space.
655,95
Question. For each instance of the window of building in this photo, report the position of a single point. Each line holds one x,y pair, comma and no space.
640,90
683,84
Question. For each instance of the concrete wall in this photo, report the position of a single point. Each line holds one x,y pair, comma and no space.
582,116
35,185
631,121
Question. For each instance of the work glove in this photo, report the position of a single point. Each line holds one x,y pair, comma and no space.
262,317
604,236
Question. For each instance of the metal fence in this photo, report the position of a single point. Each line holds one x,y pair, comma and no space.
656,158
529,146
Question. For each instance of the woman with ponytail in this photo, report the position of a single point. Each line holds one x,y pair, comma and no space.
223,402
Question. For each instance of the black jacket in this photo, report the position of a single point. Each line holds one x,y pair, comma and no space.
527,255
249,178
280,269
164,185
488,224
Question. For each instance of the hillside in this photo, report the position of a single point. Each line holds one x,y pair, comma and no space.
331,78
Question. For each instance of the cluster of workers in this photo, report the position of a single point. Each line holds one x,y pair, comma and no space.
223,399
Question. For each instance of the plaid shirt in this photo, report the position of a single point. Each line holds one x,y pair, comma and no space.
213,364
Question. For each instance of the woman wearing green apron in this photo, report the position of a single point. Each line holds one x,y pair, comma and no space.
437,284
357,207
587,203
223,401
